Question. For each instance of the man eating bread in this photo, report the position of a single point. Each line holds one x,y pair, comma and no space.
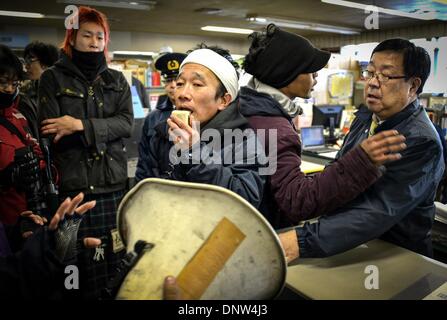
208,141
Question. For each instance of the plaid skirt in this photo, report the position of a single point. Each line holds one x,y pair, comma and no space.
97,266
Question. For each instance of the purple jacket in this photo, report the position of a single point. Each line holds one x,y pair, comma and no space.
293,195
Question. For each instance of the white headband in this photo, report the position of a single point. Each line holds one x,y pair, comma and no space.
220,66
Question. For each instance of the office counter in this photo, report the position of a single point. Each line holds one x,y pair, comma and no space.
315,159
402,274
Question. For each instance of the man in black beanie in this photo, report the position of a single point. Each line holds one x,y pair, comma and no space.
284,66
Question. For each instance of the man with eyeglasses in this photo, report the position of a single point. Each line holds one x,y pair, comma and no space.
38,57
16,174
168,64
399,207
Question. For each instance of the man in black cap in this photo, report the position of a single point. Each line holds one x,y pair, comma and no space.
284,66
168,64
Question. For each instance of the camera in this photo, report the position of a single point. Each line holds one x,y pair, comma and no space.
40,190
26,177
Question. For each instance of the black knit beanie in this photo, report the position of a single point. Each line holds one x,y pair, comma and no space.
285,57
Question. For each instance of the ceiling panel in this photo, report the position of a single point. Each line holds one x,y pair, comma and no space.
185,17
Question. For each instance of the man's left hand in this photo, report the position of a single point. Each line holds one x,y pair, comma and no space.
61,127
33,219
70,207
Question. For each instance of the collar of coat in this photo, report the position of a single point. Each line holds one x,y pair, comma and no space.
66,64
166,104
254,103
230,118
365,116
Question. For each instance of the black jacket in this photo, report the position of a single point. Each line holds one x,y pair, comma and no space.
160,114
399,207
242,177
95,160
34,272
28,102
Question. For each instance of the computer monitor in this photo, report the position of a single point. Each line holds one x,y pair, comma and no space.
328,116
138,112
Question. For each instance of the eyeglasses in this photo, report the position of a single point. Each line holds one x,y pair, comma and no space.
368,75
30,60
4,84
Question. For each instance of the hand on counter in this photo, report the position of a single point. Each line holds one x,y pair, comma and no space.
289,242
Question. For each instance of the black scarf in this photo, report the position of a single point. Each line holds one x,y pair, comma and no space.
7,99
90,63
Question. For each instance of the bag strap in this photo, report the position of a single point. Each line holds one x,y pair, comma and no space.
13,129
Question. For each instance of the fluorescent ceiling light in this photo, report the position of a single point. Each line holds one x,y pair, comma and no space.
228,30
355,5
135,53
21,14
137,5
303,25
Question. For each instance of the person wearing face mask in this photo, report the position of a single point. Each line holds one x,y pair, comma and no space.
15,136
284,66
86,109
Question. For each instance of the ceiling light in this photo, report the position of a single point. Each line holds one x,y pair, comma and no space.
302,25
228,30
134,53
21,14
355,5
136,5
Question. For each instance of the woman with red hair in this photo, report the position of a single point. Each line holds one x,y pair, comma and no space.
86,109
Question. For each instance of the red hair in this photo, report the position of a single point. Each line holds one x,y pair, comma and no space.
86,14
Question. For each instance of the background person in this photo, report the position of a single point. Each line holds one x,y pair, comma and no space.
38,57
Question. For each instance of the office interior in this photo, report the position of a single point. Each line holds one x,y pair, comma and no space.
141,31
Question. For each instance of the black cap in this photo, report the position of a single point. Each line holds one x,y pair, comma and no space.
286,56
169,64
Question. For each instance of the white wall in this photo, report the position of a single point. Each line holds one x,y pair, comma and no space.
436,82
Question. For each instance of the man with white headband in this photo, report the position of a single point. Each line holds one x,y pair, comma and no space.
213,146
